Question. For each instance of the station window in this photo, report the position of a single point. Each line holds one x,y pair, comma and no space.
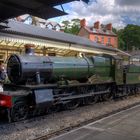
109,40
102,40
96,39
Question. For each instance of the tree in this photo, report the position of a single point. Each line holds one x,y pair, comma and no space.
121,42
66,23
114,30
76,21
131,36
72,26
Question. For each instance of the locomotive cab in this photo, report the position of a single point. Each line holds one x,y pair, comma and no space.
118,70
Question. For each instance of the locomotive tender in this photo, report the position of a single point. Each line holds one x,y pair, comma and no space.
41,83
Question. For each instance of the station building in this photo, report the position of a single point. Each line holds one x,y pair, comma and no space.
99,33
14,35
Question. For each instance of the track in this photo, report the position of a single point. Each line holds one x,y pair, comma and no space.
59,132
35,128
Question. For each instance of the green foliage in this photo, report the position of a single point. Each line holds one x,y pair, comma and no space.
129,37
114,30
121,42
73,30
72,26
66,23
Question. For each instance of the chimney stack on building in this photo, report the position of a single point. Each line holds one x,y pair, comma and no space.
97,25
109,26
83,23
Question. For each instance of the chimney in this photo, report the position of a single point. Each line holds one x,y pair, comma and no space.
29,49
83,23
109,26
97,25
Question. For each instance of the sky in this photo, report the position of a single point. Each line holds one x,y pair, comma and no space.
118,12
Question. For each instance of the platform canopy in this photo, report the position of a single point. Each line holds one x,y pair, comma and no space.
39,8
17,34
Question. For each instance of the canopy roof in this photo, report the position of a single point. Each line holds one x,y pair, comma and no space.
40,8
22,33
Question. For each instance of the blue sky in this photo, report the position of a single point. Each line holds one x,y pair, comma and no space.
118,12
65,6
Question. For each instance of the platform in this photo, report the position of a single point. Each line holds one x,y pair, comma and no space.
124,125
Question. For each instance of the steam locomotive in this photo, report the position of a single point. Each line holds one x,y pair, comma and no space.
42,83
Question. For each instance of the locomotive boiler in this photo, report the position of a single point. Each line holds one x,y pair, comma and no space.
31,69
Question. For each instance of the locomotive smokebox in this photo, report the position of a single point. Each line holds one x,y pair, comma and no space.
23,69
29,49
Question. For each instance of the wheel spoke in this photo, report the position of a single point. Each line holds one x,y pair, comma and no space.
107,97
91,100
72,104
19,111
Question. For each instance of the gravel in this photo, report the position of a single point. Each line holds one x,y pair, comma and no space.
53,122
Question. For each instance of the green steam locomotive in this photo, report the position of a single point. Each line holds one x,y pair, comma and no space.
42,83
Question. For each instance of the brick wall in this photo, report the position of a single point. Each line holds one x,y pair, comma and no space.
104,39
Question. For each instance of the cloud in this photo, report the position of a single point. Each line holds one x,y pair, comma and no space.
128,2
106,11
